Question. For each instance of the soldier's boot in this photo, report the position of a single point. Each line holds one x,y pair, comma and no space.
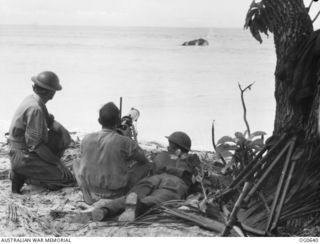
17,181
129,213
95,215
100,214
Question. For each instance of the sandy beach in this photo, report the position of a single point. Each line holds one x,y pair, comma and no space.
236,85
29,214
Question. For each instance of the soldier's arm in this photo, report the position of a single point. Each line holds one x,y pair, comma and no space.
134,152
140,157
59,128
35,136
46,154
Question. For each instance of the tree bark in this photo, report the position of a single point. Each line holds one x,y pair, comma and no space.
297,49
292,29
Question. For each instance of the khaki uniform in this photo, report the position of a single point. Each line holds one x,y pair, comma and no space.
171,181
29,129
106,168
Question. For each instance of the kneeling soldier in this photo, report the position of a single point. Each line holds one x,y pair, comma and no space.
37,141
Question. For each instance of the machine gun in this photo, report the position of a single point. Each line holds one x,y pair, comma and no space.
127,126
128,122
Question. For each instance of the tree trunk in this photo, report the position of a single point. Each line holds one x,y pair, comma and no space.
297,99
291,29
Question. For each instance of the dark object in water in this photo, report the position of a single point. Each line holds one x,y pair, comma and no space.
197,42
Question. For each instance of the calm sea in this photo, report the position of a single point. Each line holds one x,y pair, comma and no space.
174,87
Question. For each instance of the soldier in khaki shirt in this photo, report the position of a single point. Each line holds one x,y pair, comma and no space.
170,180
110,163
37,141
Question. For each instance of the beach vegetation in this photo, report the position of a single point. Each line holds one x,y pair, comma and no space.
278,190
239,150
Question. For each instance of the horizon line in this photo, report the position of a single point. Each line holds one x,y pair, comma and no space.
120,26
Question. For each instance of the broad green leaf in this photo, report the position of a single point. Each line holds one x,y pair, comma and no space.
257,133
257,142
198,178
239,135
227,147
256,147
228,165
223,153
225,139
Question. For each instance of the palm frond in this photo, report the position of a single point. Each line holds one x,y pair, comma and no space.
259,20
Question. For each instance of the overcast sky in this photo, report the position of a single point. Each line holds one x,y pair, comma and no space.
185,13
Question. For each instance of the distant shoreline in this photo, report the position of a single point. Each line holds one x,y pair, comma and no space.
122,27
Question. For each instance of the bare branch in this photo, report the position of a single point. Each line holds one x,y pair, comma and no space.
309,7
248,87
214,144
244,106
315,18
212,136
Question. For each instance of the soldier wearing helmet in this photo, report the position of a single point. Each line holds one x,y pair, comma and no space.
171,179
37,140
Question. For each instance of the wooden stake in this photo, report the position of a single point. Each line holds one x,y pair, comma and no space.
285,190
235,210
267,172
255,164
280,184
264,201
226,216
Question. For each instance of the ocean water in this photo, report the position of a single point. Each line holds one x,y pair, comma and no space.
174,87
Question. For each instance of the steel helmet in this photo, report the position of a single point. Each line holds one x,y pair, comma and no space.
47,80
181,139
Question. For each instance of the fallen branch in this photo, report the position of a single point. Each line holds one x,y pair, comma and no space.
204,222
